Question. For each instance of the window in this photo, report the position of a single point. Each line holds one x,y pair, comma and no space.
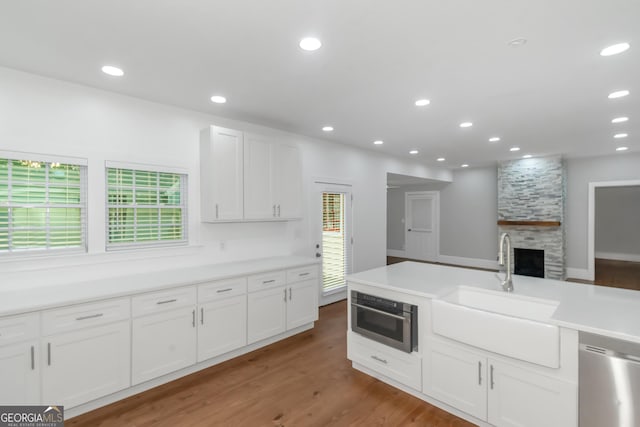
145,208
42,205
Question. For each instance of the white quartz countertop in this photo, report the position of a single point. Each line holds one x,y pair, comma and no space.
597,309
39,298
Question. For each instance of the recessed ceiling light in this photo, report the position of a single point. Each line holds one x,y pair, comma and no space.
527,156
494,139
514,149
441,159
113,71
413,152
614,49
620,135
466,124
464,165
620,120
378,142
217,99
422,102
520,41
328,128
618,94
622,148
310,44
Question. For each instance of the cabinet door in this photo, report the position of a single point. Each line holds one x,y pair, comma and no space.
223,326
302,303
19,374
258,186
85,364
266,313
221,174
163,343
287,181
457,377
521,398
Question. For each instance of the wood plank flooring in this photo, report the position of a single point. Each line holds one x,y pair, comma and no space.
305,380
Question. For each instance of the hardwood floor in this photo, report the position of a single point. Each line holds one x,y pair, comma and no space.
617,274
305,380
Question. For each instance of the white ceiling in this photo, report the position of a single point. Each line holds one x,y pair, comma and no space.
548,96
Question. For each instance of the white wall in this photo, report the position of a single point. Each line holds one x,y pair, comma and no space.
40,115
617,223
468,217
580,172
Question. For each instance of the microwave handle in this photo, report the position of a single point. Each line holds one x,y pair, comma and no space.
364,307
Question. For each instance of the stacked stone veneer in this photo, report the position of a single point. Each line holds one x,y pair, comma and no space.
534,190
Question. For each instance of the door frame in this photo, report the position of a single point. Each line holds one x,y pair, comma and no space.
591,227
436,219
329,184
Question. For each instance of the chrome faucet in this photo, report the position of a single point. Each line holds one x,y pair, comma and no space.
507,283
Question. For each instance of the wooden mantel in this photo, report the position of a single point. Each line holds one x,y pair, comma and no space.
531,223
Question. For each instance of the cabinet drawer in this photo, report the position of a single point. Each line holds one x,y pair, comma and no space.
212,291
302,273
18,328
83,315
156,302
403,367
266,280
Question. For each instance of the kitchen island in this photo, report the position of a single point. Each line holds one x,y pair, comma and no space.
491,357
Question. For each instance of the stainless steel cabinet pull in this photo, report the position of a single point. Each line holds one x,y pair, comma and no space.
289,294
285,295
216,210
264,282
193,321
92,316
303,274
479,373
379,359
492,383
33,358
224,290
202,315
49,354
166,301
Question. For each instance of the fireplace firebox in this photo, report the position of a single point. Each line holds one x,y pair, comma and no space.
528,262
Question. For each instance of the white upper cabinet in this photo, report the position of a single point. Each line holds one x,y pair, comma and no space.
246,176
221,174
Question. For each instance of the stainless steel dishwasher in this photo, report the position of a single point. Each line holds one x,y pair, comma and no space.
609,382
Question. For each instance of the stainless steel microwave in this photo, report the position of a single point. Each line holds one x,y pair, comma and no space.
389,322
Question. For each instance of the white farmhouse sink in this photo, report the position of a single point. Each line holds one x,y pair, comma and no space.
508,324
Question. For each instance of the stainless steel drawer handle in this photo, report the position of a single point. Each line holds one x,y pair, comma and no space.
303,274
375,310
479,373
166,301
49,354
379,359
224,290
91,316
193,321
491,380
202,315
264,282
33,358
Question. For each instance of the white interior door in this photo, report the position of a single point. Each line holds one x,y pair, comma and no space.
422,221
333,238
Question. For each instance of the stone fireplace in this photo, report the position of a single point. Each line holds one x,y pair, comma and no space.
531,208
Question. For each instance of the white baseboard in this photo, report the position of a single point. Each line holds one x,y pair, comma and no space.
469,262
577,273
618,256
396,253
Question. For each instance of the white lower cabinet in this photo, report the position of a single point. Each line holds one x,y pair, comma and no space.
302,306
165,341
500,393
267,313
223,326
85,364
20,374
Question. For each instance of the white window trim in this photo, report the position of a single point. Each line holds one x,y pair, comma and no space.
52,251
154,244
